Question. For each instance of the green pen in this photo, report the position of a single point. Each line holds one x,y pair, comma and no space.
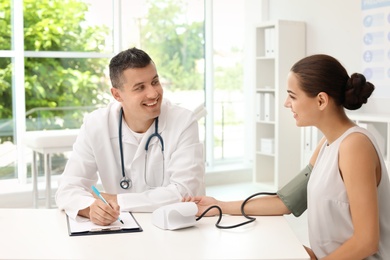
96,191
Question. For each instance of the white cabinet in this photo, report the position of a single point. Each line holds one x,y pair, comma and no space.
377,124
311,136
379,127
279,44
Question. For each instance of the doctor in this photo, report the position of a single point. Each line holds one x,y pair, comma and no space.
145,150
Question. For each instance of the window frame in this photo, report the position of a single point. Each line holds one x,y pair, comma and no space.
17,55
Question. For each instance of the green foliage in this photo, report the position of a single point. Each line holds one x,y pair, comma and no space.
175,44
55,25
229,78
5,84
5,26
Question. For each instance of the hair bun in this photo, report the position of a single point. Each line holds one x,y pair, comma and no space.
357,91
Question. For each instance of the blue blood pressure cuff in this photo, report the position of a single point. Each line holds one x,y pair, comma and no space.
294,193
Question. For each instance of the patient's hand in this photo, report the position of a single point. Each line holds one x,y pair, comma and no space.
203,203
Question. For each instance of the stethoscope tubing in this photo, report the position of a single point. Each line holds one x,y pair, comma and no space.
121,151
126,182
155,134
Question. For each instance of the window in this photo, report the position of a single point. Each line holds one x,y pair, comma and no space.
64,58
229,115
7,148
7,168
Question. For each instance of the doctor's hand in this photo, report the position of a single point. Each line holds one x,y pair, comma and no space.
100,213
203,203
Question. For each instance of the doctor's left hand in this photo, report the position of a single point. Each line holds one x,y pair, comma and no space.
103,214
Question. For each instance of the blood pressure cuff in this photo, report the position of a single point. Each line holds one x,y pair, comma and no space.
294,193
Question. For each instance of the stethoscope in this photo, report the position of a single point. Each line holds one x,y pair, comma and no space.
126,182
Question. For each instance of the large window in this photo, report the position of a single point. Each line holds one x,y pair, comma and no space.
172,32
64,59
229,115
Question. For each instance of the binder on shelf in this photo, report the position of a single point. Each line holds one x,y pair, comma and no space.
83,226
308,145
258,107
269,35
269,107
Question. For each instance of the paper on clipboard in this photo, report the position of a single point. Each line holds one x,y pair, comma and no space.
83,226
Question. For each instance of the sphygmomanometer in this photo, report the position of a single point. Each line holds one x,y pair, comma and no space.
181,215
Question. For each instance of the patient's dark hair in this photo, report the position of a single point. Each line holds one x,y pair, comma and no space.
128,59
323,73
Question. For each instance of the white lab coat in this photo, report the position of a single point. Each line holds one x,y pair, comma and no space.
96,154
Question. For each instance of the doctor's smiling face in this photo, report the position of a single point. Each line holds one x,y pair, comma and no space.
141,95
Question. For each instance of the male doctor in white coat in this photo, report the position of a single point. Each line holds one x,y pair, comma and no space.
173,167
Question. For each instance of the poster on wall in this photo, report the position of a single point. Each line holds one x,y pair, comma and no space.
376,45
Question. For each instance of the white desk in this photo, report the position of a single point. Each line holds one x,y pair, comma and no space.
47,143
42,234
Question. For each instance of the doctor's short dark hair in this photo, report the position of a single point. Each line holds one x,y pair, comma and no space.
128,59
323,73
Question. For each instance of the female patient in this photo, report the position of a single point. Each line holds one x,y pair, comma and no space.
348,190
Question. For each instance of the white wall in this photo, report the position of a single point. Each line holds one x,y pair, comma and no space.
333,27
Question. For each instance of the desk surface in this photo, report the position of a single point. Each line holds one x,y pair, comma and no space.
42,234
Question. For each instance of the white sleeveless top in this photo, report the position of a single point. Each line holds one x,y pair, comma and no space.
329,218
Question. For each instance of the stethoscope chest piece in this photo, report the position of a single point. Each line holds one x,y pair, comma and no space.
125,183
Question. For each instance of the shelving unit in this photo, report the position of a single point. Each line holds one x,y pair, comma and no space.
311,136
379,126
279,44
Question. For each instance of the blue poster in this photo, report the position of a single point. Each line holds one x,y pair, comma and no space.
376,45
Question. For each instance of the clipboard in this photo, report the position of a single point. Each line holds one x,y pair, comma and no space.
83,226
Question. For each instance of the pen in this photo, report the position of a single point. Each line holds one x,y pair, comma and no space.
96,191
